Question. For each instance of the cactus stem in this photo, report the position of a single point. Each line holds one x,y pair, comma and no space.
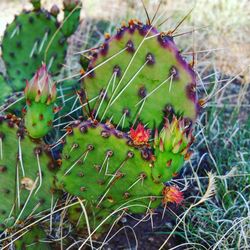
20,155
155,89
84,156
127,68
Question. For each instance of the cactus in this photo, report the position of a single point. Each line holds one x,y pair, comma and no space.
71,16
136,84
109,168
26,176
101,160
33,37
34,239
171,148
40,95
137,75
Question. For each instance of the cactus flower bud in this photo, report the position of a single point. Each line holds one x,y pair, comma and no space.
71,4
172,146
40,93
40,88
54,10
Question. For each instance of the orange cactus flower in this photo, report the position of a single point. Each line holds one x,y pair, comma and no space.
172,194
140,135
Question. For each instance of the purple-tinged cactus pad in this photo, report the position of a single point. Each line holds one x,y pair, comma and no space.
135,75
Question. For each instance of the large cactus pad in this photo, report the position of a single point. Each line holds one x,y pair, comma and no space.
26,183
32,38
100,165
136,75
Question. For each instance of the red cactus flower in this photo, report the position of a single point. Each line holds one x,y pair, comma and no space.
172,194
140,135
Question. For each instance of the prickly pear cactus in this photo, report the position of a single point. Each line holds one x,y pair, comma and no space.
40,93
109,168
99,164
33,37
136,75
34,239
26,174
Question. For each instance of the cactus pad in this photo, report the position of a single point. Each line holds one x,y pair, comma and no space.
100,164
33,37
136,75
26,183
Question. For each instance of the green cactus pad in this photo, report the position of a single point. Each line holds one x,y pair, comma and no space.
100,165
136,74
38,119
35,239
32,38
23,192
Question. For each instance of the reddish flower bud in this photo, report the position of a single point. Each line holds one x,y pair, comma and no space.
172,194
41,88
140,135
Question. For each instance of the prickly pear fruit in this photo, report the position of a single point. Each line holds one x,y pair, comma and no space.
40,94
